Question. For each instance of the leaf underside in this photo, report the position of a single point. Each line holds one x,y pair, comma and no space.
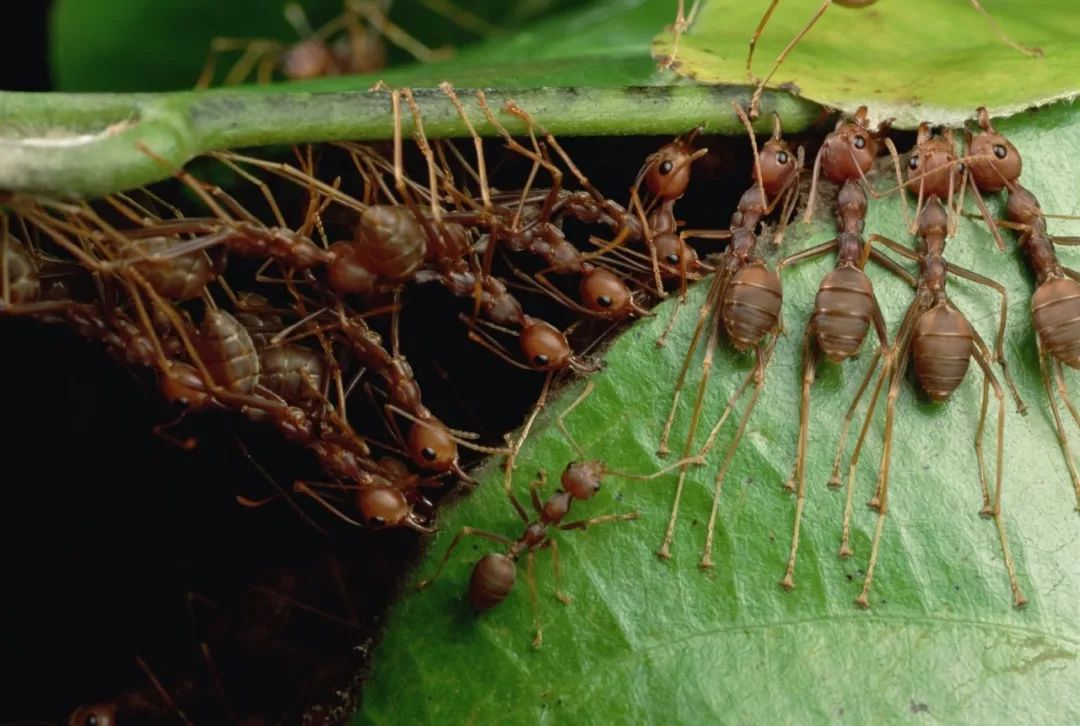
651,640
917,60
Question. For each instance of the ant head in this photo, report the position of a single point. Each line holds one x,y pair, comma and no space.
933,167
94,714
998,163
1023,207
544,347
307,59
778,162
581,479
667,171
850,150
603,292
933,220
383,506
347,273
181,383
675,255
432,446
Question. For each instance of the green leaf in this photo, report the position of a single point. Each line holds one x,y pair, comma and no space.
131,45
918,60
658,641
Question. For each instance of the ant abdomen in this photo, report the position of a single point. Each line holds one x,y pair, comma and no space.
942,345
179,278
492,579
308,59
23,281
751,305
843,309
228,352
294,372
1055,310
390,239
347,272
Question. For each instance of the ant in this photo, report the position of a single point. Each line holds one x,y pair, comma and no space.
358,47
844,308
940,341
494,575
745,298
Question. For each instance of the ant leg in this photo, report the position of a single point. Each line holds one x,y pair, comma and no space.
377,18
1030,51
999,339
706,367
882,493
511,459
465,532
984,478
560,420
893,369
899,182
161,690
893,267
987,217
534,486
810,360
834,478
530,580
984,359
755,101
602,519
758,374
215,677
812,196
161,431
562,597
683,21
1045,362
807,254
709,308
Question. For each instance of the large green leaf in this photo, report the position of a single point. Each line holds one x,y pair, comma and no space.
657,641
131,45
932,60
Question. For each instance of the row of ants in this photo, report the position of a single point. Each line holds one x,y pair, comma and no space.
745,296
137,269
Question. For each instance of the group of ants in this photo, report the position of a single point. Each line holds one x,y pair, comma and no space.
132,272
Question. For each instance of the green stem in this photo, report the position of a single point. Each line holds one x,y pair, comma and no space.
87,145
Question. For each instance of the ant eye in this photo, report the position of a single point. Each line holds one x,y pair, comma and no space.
377,522
596,487
782,157
666,167
603,301
540,359
428,453
91,721
961,167
1000,151
859,142
913,162
672,259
